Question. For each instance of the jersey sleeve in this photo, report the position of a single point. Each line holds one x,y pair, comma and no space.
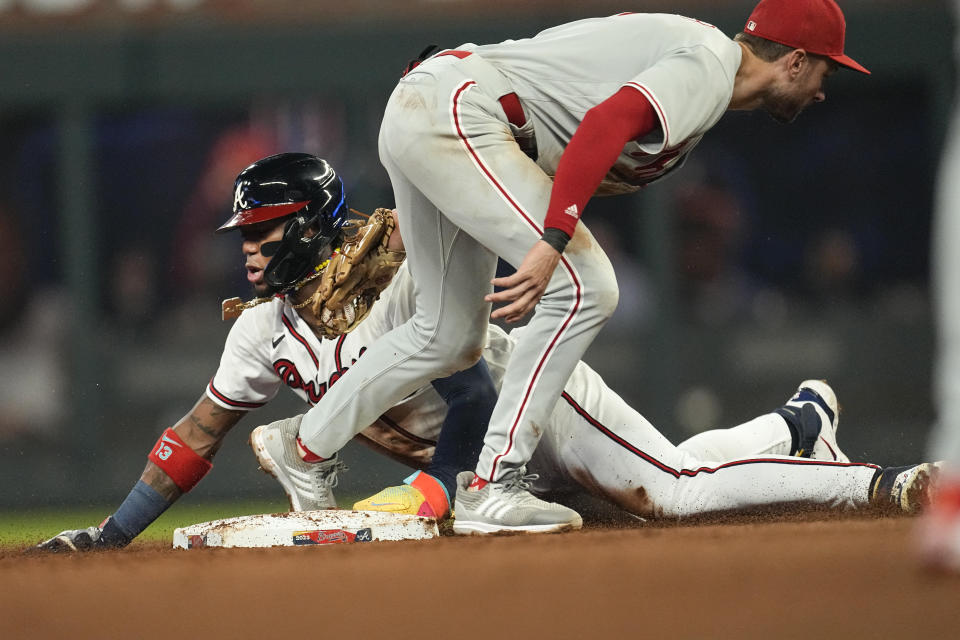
689,90
245,378
593,149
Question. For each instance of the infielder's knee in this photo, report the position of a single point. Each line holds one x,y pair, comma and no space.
597,302
453,348
602,296
461,350
589,276
598,298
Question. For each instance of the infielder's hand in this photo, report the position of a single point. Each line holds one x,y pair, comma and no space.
524,288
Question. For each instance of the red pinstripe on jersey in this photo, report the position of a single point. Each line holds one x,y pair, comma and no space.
233,403
299,338
568,268
337,355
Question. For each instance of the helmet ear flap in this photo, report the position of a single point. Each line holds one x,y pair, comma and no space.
298,251
284,267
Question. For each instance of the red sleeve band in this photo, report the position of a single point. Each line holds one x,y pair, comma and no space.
179,461
592,150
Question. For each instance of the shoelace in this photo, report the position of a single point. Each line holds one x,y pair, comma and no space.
328,478
522,481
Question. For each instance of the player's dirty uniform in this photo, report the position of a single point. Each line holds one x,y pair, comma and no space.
593,439
458,139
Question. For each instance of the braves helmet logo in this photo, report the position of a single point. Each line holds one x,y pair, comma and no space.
240,202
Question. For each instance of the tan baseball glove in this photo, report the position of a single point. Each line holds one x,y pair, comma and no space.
356,275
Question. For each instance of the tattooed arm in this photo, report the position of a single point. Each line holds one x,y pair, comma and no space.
176,463
203,430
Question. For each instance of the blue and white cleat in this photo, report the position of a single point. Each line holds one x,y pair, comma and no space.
813,413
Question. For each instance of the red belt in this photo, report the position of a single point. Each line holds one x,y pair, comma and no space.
509,102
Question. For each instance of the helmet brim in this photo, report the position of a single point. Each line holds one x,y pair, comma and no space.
261,214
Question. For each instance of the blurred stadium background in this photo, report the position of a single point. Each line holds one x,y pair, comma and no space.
778,254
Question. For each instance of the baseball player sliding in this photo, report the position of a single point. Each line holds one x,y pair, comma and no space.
311,335
494,149
297,244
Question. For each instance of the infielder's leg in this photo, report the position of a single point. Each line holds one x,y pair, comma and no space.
450,269
462,158
452,273
449,149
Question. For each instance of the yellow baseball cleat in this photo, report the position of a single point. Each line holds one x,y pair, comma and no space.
423,496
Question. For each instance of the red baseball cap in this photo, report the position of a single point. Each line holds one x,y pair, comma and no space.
816,26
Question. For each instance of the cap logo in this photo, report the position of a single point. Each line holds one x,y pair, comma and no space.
240,197
817,26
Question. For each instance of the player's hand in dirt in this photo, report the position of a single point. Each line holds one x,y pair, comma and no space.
89,539
73,540
524,288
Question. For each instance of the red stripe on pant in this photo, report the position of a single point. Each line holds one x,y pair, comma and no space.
566,265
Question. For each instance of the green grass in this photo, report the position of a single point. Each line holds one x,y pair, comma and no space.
22,528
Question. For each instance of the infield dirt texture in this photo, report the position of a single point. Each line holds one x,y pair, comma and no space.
788,575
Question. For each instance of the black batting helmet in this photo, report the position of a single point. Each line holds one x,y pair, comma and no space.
298,185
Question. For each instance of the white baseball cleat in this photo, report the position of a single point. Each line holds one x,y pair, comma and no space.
308,485
507,506
814,412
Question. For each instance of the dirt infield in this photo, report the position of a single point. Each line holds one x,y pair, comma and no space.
785,576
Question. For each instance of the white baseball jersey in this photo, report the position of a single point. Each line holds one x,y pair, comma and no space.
594,442
563,72
270,345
